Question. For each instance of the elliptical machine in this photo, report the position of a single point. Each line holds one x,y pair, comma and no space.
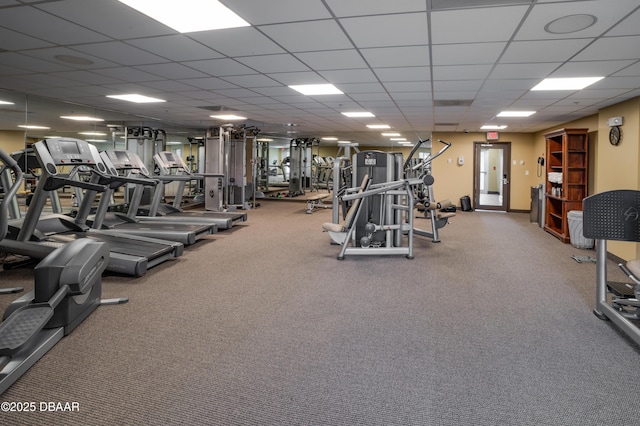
67,289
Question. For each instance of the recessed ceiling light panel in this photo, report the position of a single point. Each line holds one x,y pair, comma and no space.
356,114
230,117
571,83
134,97
188,16
493,127
80,118
378,126
316,89
516,114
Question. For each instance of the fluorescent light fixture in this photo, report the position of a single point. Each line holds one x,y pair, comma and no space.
343,142
230,117
80,118
362,114
6,103
32,127
576,83
398,139
316,89
96,140
264,140
188,16
492,127
134,97
516,114
93,133
378,126
174,143
390,134
329,138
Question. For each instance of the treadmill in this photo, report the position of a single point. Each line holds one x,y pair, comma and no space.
128,254
120,223
130,164
173,168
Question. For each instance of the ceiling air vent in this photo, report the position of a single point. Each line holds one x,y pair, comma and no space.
452,102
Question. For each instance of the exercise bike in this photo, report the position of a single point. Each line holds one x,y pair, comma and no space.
67,289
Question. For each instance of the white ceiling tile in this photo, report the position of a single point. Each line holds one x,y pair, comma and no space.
476,25
252,81
171,71
277,11
167,86
392,57
367,7
411,96
627,27
466,54
369,88
293,78
13,40
456,85
332,59
47,27
363,75
274,63
23,62
611,48
234,42
220,67
528,70
308,36
590,68
126,74
403,74
461,72
520,84
120,53
112,18
407,86
175,48
51,54
606,12
86,77
388,30
544,51
632,70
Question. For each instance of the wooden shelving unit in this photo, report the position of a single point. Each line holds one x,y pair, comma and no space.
568,154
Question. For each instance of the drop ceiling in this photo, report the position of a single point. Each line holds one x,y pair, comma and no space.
419,65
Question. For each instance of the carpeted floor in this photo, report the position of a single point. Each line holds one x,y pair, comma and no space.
261,325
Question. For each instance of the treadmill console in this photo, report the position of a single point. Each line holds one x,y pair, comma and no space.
66,152
171,161
126,160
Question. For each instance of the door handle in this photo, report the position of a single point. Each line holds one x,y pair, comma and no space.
505,180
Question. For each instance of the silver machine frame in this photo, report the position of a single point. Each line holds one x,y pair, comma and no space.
384,204
226,156
614,215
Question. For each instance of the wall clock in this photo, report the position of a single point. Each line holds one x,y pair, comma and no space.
615,135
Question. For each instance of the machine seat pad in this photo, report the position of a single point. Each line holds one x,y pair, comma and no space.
634,267
22,325
332,227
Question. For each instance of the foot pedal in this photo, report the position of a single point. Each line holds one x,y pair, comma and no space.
624,290
22,325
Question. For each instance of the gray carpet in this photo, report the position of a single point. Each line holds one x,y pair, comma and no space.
263,326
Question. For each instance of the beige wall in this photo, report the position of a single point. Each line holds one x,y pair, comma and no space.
11,140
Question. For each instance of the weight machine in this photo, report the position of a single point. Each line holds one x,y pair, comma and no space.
382,213
225,155
615,215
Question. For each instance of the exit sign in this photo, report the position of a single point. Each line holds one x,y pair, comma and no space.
492,136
